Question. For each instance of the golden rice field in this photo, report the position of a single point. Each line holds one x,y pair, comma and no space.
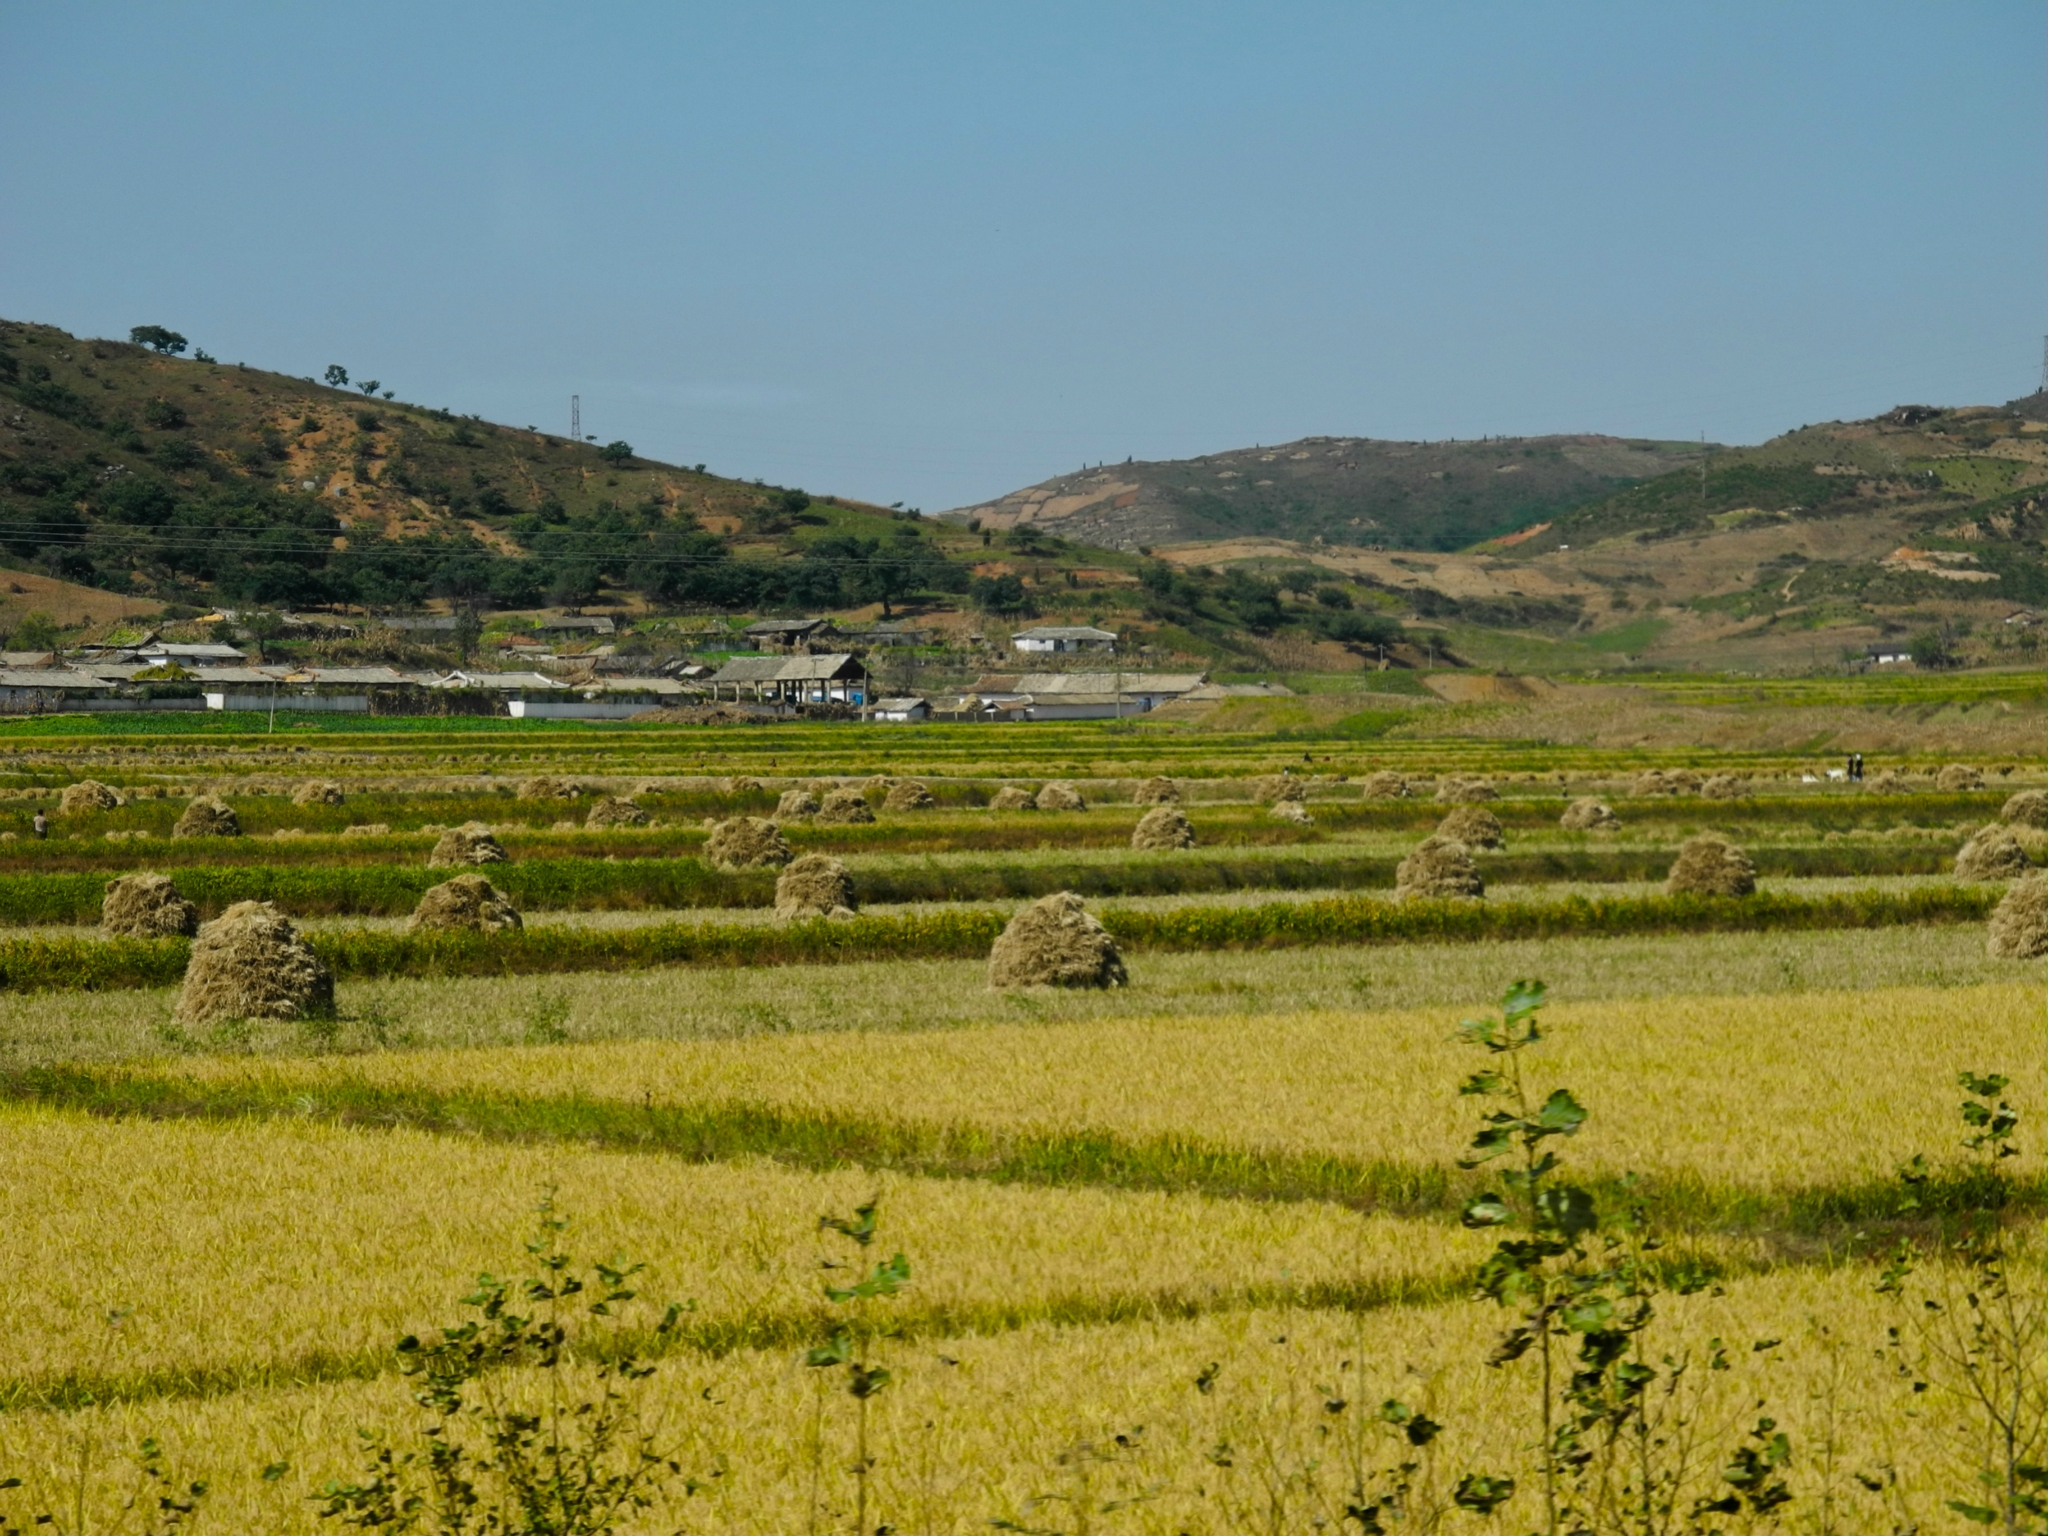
1171,1248
1806,1088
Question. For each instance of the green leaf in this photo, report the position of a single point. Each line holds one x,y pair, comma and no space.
836,1350
1482,1494
1976,1512
1486,1211
1567,1209
1561,1114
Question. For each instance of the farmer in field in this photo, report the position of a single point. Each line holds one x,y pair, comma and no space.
41,824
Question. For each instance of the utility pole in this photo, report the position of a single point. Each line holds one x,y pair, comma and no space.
1703,469
2044,365
575,418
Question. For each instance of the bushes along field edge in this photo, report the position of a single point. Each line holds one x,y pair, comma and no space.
585,885
69,964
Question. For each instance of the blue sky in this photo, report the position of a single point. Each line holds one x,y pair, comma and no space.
930,253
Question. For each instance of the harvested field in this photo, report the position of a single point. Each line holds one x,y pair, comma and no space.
1193,1151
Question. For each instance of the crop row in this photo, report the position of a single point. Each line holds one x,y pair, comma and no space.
586,885
986,832
70,964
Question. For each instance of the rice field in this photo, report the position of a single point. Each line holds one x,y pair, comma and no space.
1195,1253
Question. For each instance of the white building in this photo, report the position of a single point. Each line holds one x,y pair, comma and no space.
902,711
1063,638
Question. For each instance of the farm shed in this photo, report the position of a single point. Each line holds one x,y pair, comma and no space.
837,679
1063,638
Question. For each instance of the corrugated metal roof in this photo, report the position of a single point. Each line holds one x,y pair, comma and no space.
1064,632
1105,683
48,677
787,669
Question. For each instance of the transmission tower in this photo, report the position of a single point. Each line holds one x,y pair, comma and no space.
575,418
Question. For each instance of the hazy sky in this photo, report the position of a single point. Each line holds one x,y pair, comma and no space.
930,253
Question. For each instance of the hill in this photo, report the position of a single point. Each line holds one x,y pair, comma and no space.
1922,523
1341,490
131,469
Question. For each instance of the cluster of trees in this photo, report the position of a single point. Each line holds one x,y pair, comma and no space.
1242,599
248,543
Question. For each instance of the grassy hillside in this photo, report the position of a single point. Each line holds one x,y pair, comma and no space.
1341,490
138,471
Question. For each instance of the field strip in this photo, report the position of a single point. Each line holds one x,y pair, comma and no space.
237,1252
61,964
972,1430
1789,1224
1794,1107
86,1029
294,835
599,885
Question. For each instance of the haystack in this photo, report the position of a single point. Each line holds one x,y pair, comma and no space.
1465,791
1272,788
1711,866
207,816
746,842
1654,781
1955,777
85,796
614,811
546,786
368,829
1161,828
2019,923
845,808
909,796
1011,798
742,784
1473,826
1055,943
1156,791
1992,854
796,805
1588,815
1061,797
1890,782
2028,808
1725,786
318,792
1295,811
1440,867
1385,785
469,844
146,907
467,901
250,963
816,885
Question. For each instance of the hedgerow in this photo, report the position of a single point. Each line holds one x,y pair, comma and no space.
966,933
585,885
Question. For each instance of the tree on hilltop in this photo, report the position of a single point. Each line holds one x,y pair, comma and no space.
157,339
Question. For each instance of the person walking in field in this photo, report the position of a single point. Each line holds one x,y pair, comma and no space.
41,824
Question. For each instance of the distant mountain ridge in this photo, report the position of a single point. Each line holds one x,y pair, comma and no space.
1340,490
